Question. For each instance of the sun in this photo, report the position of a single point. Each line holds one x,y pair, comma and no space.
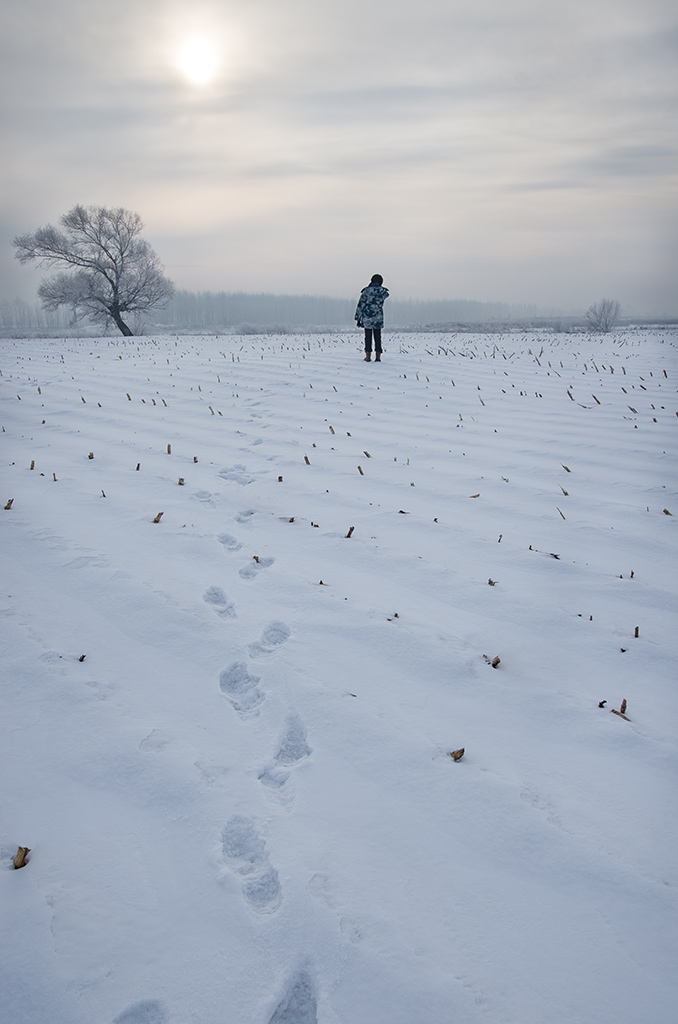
198,60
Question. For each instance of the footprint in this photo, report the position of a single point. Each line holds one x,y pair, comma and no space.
350,931
211,773
300,1005
248,572
275,634
230,543
53,657
150,1012
542,804
293,749
205,498
243,846
220,603
244,517
274,778
241,689
238,474
293,746
155,741
98,561
100,691
321,888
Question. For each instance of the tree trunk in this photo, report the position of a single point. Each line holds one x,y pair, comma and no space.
121,325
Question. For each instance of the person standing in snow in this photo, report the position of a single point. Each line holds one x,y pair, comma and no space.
369,314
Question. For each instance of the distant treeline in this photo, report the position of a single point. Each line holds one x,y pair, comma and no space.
253,313
30,316
214,311
231,309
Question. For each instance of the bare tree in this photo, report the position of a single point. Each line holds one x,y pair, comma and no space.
604,315
116,272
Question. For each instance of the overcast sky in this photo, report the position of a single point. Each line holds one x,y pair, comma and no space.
509,150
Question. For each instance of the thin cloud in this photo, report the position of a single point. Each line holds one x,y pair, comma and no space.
472,148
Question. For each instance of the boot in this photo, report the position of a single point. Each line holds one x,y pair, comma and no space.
368,357
377,357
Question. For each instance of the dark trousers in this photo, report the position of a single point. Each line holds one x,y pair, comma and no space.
376,331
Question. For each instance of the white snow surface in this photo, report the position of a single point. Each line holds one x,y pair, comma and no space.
240,803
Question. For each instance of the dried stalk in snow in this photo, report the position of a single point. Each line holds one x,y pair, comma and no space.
20,859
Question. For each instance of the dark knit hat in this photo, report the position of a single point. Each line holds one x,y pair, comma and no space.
377,279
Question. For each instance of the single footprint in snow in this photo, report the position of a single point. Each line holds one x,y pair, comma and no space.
211,773
293,749
229,542
275,634
53,657
205,498
248,572
215,597
246,850
245,517
300,1005
100,691
155,741
321,887
275,778
241,689
238,474
293,746
350,931
98,561
150,1012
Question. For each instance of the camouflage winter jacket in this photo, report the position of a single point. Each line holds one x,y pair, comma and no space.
370,309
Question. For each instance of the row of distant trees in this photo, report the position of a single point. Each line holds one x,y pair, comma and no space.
114,277
31,316
227,309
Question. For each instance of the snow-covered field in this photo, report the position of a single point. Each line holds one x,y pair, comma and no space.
226,733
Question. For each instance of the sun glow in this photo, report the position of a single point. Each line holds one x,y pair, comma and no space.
198,60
